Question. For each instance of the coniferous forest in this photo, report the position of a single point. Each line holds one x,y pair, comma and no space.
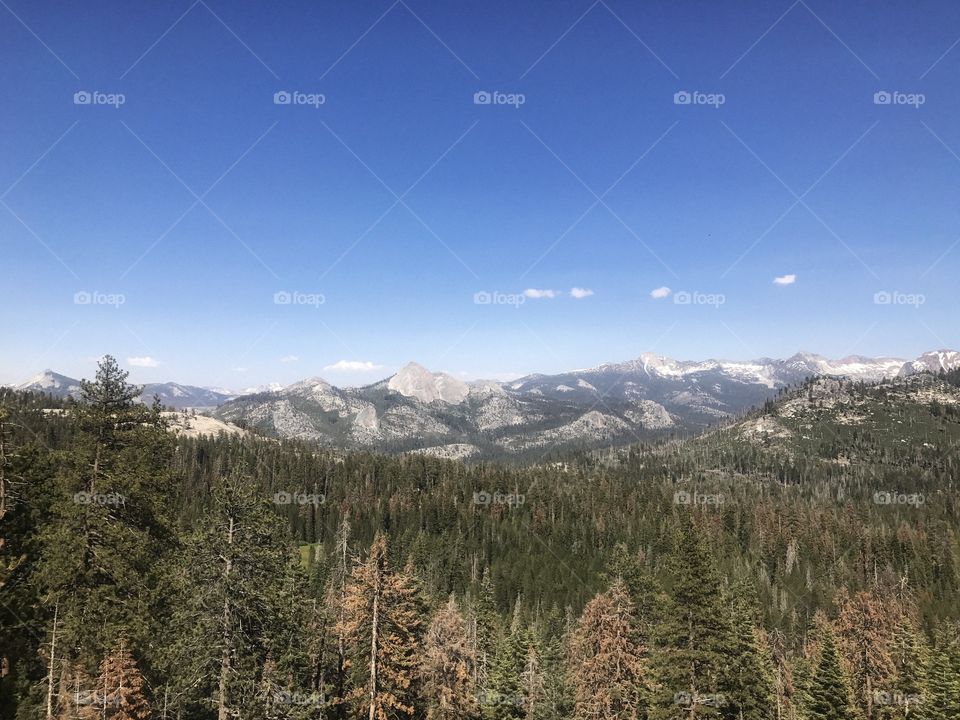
146,574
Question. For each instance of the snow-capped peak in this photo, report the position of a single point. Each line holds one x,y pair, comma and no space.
933,361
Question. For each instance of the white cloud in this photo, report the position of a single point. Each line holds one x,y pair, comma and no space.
660,292
537,294
580,293
785,280
289,358
353,366
145,361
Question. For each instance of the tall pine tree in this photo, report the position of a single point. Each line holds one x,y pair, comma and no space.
382,627
607,670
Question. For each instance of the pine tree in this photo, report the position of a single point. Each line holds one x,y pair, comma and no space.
943,684
109,519
76,695
549,639
751,694
607,672
382,629
693,638
830,696
231,602
644,591
911,660
503,698
863,634
335,680
487,631
533,688
447,667
121,692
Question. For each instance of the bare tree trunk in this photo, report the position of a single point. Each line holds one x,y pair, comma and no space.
53,650
222,712
373,646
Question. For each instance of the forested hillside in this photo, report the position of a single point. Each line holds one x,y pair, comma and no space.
800,563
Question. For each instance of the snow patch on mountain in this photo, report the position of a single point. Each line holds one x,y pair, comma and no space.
934,362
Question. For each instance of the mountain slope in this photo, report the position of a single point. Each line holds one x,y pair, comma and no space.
172,395
611,404
614,403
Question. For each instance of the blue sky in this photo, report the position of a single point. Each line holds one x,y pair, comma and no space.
161,229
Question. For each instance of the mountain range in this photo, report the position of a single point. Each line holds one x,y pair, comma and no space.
416,410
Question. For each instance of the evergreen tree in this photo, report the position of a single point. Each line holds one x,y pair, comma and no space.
503,697
694,639
864,634
751,693
382,628
830,696
447,668
533,687
910,697
334,679
231,602
551,633
943,680
607,672
487,631
109,518
121,691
